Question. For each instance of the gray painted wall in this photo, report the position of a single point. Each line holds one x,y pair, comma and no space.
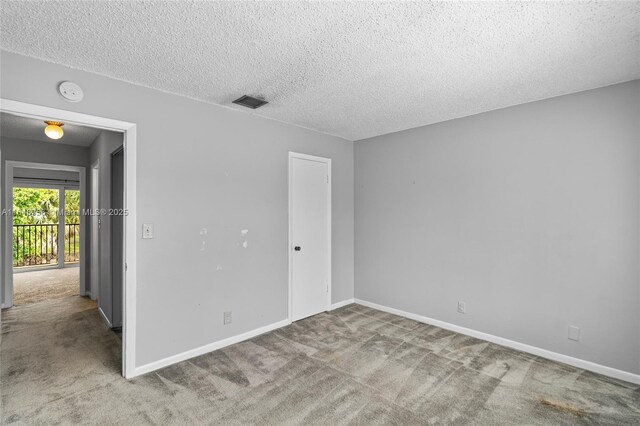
43,152
203,166
529,214
68,178
101,149
35,152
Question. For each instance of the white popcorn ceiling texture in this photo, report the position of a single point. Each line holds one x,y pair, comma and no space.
352,69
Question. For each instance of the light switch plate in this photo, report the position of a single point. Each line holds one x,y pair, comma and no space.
147,231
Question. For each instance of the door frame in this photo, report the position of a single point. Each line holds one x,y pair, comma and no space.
130,235
113,235
94,206
10,185
327,161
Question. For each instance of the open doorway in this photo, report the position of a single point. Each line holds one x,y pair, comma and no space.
46,235
42,189
62,241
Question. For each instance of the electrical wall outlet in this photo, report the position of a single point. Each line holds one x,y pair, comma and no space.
462,307
574,333
227,318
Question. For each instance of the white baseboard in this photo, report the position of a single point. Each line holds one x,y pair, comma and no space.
343,303
104,317
156,365
544,353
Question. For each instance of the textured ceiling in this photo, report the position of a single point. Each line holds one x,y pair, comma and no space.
353,69
13,126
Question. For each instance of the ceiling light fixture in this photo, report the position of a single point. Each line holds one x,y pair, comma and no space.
54,129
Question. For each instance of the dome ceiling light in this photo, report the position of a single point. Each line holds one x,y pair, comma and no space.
54,129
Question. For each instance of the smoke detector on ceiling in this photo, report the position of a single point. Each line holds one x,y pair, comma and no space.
250,102
71,91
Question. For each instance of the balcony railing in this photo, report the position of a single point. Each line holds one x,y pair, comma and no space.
35,245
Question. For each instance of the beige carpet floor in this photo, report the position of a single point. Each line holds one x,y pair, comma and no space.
351,366
35,286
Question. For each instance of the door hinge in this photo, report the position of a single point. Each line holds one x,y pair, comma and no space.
125,267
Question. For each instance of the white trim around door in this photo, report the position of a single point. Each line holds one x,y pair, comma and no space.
130,235
290,248
94,206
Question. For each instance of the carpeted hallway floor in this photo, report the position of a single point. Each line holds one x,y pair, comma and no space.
354,365
30,286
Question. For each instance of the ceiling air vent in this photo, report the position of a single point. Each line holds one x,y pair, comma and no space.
250,102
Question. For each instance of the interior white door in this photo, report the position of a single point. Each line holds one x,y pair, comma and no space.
310,227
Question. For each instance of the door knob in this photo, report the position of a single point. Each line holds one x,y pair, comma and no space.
297,248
